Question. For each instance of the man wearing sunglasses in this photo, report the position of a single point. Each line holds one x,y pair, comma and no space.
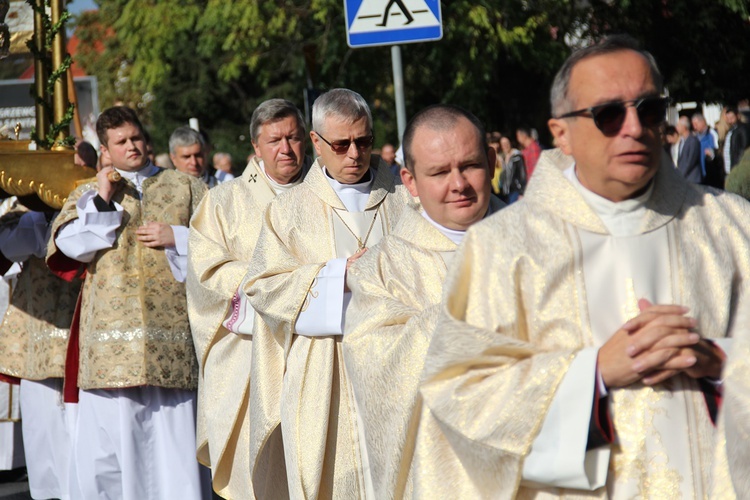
297,285
582,356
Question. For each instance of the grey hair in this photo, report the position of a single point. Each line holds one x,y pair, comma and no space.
343,103
183,137
271,111
559,100
440,117
698,116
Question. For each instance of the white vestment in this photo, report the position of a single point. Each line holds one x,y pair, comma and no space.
533,292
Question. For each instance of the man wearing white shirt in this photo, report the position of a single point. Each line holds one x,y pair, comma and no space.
137,370
297,285
223,234
577,351
396,286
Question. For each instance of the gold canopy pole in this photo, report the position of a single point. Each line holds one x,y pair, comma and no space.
40,73
60,95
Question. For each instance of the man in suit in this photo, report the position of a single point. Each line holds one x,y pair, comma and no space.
688,152
736,140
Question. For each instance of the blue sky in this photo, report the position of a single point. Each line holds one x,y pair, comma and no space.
77,6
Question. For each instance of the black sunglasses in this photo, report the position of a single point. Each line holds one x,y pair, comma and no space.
342,146
609,117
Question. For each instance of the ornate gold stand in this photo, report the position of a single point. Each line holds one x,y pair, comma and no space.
50,175
47,175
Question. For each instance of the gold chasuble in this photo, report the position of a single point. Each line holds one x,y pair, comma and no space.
517,310
223,233
298,383
396,289
134,327
34,332
732,462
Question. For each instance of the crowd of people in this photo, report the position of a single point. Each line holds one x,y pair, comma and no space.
707,155
360,326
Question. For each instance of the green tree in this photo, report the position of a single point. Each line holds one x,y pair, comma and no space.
217,59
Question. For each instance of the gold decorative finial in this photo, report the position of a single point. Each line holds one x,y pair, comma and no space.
17,130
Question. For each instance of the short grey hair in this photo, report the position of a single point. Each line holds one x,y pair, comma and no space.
698,116
183,137
343,103
271,111
559,100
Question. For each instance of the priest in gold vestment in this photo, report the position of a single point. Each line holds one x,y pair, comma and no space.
583,329
396,286
300,396
222,238
135,435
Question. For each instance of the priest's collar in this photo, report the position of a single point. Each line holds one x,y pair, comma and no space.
550,191
622,218
277,187
147,170
452,234
353,196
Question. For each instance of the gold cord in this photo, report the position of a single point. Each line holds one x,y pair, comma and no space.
361,244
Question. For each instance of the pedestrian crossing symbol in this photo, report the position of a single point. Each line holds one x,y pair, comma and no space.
390,22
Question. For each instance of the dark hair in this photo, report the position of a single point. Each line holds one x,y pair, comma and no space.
115,117
438,117
670,130
608,45
87,153
731,109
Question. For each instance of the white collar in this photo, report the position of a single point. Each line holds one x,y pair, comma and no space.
353,196
146,171
452,234
621,218
137,177
277,187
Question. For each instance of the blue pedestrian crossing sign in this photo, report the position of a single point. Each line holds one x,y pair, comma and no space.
390,22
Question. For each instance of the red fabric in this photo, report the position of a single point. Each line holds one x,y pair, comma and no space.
712,389
602,418
531,155
70,382
9,380
63,266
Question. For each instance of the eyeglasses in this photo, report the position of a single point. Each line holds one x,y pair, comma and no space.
609,117
342,146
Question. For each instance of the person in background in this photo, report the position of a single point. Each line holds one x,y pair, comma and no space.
223,165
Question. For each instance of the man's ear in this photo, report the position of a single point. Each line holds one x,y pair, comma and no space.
105,153
316,142
560,133
407,178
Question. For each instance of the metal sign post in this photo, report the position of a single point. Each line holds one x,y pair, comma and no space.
398,90
391,22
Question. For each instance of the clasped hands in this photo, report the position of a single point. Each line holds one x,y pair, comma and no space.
656,345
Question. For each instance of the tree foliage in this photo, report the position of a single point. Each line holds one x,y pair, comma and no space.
217,59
